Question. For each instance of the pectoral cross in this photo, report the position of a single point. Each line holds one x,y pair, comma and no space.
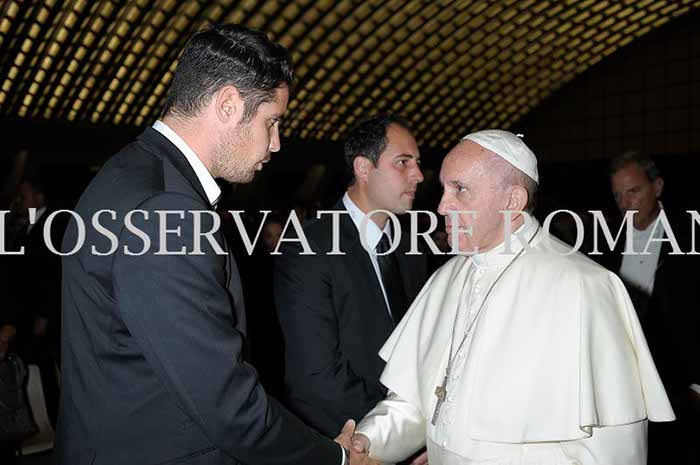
441,393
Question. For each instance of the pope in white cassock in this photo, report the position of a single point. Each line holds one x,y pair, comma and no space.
520,353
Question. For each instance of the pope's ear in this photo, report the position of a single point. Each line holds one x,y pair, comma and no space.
517,200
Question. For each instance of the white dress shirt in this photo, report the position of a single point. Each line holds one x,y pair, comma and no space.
212,189
374,235
639,269
39,213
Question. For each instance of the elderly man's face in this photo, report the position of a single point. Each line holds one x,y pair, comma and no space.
633,190
470,185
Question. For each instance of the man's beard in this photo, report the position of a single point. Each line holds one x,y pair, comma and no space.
229,161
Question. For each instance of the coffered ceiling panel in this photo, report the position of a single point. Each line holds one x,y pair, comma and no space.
448,66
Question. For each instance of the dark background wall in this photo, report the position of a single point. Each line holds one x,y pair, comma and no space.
646,98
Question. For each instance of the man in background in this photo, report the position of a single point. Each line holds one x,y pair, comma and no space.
665,290
34,285
336,311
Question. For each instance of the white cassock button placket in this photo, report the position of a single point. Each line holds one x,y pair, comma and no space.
479,281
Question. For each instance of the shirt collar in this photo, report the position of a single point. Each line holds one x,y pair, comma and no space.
39,213
374,234
212,189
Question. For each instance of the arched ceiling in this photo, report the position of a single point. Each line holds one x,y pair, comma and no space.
448,66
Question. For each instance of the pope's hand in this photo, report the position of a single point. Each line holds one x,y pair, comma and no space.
361,459
346,439
359,452
360,444
422,459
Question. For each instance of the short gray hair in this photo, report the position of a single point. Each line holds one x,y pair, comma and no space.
631,158
512,176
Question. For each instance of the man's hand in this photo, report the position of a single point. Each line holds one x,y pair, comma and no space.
346,434
346,439
7,333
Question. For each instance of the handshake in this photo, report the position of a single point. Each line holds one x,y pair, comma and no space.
357,448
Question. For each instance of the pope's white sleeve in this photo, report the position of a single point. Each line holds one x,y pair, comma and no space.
395,428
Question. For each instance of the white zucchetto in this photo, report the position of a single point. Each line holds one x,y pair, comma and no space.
509,147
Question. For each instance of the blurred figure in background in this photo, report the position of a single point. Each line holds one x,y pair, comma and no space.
665,289
34,285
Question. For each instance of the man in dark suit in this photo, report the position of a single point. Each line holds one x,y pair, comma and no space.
664,287
336,311
153,313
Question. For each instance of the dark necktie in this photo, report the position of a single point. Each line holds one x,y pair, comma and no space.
391,278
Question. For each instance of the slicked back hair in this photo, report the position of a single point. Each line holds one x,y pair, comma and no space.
228,54
369,139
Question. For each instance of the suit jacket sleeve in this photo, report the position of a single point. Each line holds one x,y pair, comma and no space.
179,310
317,372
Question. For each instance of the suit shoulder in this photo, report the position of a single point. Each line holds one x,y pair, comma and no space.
126,180
320,231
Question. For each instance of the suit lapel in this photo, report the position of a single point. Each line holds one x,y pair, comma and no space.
177,159
666,249
356,253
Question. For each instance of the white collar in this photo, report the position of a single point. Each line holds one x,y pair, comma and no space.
39,213
212,189
498,256
374,234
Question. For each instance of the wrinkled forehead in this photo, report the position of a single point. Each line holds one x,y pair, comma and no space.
466,159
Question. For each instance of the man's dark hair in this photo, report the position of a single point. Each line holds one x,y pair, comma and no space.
228,54
630,158
369,139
